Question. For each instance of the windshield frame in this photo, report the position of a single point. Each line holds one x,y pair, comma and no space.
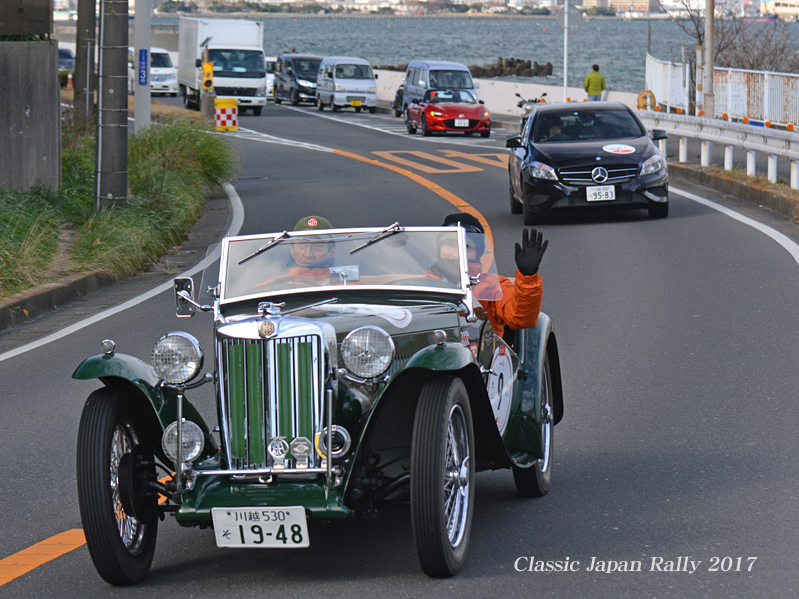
463,293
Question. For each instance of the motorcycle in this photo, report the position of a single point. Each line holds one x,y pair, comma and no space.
528,106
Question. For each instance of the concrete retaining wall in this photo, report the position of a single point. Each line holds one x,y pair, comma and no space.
499,96
30,118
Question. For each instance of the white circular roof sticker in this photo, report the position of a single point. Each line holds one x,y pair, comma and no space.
618,149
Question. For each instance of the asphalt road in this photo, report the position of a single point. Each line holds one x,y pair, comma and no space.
678,343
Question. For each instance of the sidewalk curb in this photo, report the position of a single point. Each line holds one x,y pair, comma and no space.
750,193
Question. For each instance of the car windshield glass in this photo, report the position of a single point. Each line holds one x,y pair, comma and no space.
451,79
306,68
237,63
159,60
449,95
271,66
426,259
65,53
354,71
583,125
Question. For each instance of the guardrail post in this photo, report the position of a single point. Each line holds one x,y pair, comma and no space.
683,157
728,158
704,159
794,174
772,168
750,163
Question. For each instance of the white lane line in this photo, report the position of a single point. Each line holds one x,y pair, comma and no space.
252,135
235,227
785,242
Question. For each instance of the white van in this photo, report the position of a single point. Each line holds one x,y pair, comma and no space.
424,75
346,81
271,67
163,74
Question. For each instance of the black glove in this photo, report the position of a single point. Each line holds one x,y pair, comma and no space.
530,252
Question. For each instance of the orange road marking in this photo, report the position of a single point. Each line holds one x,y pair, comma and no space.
435,188
498,160
28,559
457,167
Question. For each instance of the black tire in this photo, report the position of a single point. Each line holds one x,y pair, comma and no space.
531,217
485,133
107,431
372,109
277,99
408,125
320,106
536,480
256,111
357,109
294,98
442,469
333,106
515,205
397,112
425,128
658,210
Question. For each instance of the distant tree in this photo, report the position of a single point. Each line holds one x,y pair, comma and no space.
596,11
177,6
762,47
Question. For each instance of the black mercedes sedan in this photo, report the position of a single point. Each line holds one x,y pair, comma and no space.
586,156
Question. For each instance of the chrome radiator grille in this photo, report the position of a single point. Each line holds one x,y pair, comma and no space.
582,175
270,388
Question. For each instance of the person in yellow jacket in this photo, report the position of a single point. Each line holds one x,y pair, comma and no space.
594,84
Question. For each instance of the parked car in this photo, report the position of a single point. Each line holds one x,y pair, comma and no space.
163,74
596,155
396,105
295,78
352,383
66,59
448,110
346,81
424,75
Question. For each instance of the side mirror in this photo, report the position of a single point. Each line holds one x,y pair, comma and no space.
422,84
518,95
476,85
198,63
513,142
289,71
480,102
375,75
415,101
659,134
184,286
544,94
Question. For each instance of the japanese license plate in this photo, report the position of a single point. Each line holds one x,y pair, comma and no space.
600,193
355,103
461,122
272,527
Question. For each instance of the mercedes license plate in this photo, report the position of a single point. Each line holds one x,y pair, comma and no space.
355,103
600,193
272,527
461,122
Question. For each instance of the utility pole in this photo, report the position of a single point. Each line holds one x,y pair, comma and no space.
112,108
141,65
83,103
709,99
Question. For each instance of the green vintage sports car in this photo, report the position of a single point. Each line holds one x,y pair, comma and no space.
347,377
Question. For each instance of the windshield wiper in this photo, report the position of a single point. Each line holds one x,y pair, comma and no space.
263,248
387,232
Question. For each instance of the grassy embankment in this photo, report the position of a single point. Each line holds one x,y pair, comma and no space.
45,235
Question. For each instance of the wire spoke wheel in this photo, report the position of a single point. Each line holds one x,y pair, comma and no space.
442,476
120,546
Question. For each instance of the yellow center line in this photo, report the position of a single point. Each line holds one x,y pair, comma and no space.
34,556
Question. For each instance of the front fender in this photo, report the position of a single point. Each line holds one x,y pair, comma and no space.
111,369
449,356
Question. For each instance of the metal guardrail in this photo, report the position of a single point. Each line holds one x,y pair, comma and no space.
739,93
774,143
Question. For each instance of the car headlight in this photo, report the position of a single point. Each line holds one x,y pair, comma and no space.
436,113
539,170
192,444
341,89
484,115
367,351
170,77
177,357
306,83
371,90
261,91
652,165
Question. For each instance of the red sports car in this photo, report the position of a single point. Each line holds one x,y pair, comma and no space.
448,110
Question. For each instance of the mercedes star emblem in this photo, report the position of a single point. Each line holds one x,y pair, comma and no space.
599,174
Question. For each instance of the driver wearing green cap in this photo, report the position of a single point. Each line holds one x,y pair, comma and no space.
309,259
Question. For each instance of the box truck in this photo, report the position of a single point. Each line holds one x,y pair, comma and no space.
235,47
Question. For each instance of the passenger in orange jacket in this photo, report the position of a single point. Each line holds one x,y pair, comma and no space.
521,300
